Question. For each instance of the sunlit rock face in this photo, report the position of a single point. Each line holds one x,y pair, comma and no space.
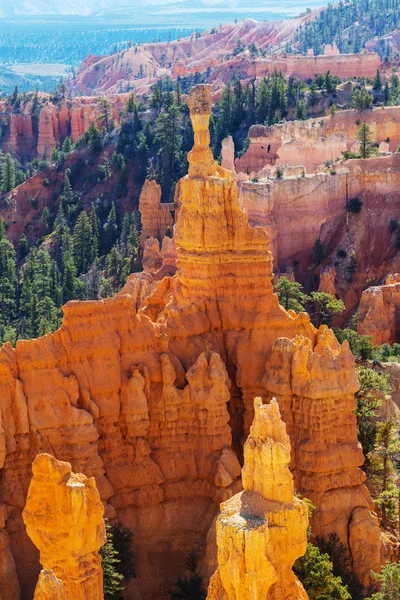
151,392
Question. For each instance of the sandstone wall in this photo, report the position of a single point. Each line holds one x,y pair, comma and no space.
342,65
299,210
56,122
267,144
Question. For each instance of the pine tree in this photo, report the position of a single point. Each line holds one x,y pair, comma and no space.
169,141
364,136
301,112
94,139
315,571
130,105
361,99
390,582
377,83
111,228
382,466
67,145
324,306
262,102
290,294
67,196
8,174
23,248
112,579
105,117
8,280
69,281
82,243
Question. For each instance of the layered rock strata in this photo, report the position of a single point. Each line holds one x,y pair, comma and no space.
310,143
64,518
314,386
32,135
262,530
152,391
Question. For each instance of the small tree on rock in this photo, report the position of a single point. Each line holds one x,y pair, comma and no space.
290,294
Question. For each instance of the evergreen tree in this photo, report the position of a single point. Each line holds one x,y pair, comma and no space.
8,174
377,83
301,112
390,582
112,579
383,469
169,141
290,294
361,99
67,196
23,246
123,543
105,117
67,145
8,280
262,102
82,243
111,227
315,571
372,384
130,105
364,136
69,277
94,139
324,306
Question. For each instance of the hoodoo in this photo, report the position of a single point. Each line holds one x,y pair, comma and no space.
152,393
262,530
64,518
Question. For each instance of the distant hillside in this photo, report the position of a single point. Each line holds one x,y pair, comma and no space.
350,25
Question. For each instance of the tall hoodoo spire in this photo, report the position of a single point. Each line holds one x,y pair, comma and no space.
262,530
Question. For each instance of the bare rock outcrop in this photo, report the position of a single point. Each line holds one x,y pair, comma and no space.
64,518
156,217
327,281
228,154
379,310
262,530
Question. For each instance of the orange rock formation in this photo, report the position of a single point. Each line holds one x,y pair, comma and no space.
156,217
262,530
379,312
54,124
64,518
152,391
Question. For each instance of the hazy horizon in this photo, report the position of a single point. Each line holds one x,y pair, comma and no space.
202,14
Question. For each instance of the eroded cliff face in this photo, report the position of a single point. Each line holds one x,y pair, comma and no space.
262,530
310,143
64,519
379,312
35,134
152,391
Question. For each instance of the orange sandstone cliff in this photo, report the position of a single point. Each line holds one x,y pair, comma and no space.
152,392
262,530
64,518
